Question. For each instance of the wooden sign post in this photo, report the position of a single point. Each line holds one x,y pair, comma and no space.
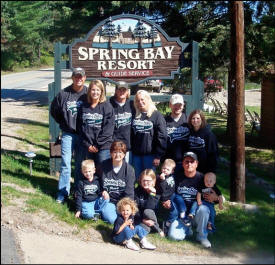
127,48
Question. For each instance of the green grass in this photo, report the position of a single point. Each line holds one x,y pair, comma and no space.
237,230
259,157
251,85
254,108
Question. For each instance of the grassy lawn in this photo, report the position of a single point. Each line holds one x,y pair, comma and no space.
251,85
237,230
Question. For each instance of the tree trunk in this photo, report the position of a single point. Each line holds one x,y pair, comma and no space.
236,103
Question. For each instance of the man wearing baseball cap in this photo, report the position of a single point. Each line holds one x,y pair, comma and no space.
64,108
124,111
177,131
187,185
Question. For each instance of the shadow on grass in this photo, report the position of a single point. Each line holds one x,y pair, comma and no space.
27,121
106,231
27,141
25,96
40,164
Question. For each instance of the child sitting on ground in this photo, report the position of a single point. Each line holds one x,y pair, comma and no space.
209,185
88,201
165,186
124,229
147,201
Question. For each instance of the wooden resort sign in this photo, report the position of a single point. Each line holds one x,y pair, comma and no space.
127,48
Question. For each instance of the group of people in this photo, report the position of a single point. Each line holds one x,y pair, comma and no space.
118,146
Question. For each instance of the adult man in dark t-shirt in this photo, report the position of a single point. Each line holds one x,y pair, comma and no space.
63,109
188,182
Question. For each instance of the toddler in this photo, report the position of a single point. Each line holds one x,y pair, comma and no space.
124,229
209,185
166,181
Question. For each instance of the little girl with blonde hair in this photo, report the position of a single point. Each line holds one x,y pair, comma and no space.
124,229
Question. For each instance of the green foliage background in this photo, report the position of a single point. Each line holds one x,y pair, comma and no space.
29,29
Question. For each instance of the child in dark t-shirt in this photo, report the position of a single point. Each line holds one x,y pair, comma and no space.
166,181
125,229
88,199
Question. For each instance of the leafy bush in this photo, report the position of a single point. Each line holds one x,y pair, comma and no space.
46,60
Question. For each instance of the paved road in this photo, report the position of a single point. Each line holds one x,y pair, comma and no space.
9,251
30,87
31,80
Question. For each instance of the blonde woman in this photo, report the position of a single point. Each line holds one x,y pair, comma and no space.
149,136
96,123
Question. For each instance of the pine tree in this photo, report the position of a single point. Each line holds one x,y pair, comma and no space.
153,33
109,31
140,32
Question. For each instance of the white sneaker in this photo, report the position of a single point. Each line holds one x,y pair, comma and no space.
146,244
131,245
182,215
205,242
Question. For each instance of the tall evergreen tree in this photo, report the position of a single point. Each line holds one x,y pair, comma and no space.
153,34
140,32
109,31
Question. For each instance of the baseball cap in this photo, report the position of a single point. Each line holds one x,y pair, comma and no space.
190,154
176,98
78,71
122,84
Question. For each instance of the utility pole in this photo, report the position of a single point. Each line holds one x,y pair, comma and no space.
236,102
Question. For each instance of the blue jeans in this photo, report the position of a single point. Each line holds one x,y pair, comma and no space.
90,208
108,212
212,215
100,156
177,206
127,233
70,142
141,162
194,208
178,231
